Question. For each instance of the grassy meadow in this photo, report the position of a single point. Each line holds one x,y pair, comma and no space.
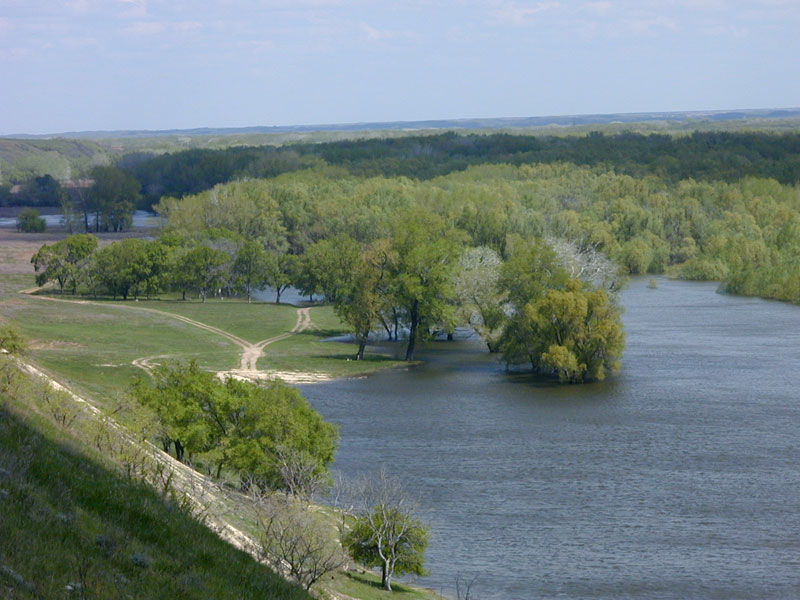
91,345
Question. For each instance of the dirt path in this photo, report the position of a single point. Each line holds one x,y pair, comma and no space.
250,353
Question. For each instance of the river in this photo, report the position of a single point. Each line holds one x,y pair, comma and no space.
679,478
140,218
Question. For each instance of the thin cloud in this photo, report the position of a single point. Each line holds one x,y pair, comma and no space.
257,44
13,53
652,24
599,8
78,6
187,26
512,13
87,42
376,35
135,9
146,28
729,30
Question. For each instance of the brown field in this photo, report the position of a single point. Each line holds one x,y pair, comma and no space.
16,249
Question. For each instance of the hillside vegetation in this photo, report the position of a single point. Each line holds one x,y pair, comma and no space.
75,526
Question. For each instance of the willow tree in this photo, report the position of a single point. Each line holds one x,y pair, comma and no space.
581,330
558,324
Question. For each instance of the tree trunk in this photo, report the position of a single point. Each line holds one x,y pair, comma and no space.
179,450
396,323
449,336
362,343
184,295
278,295
386,327
412,334
386,579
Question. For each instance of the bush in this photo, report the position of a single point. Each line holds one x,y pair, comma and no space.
29,221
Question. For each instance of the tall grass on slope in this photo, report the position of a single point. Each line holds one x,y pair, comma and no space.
70,527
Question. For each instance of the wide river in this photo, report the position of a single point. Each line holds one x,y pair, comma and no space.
679,478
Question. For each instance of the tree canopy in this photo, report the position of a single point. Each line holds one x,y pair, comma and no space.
236,425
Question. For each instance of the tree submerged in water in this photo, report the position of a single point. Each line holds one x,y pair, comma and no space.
559,324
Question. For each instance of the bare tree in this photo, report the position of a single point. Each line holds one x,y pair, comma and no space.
464,588
300,473
293,540
585,262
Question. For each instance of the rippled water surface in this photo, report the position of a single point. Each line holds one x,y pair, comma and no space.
680,478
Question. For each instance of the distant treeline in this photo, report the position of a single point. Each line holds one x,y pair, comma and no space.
706,156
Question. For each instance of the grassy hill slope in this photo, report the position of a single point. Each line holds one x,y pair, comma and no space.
73,527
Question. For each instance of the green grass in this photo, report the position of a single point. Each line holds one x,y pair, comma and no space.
252,322
91,348
70,521
307,352
367,586
10,285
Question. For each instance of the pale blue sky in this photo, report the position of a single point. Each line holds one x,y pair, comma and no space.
68,65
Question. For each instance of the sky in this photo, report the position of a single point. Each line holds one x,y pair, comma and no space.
76,65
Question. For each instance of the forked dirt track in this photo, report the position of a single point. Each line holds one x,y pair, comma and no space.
250,353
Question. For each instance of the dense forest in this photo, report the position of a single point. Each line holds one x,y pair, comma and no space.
708,156
527,239
531,256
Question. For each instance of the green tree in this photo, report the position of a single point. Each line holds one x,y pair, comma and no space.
427,253
29,221
479,298
386,532
249,268
279,271
575,332
327,266
361,299
118,267
238,425
11,341
65,261
44,190
558,323
113,197
201,269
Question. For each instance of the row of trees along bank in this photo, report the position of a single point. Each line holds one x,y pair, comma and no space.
422,280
